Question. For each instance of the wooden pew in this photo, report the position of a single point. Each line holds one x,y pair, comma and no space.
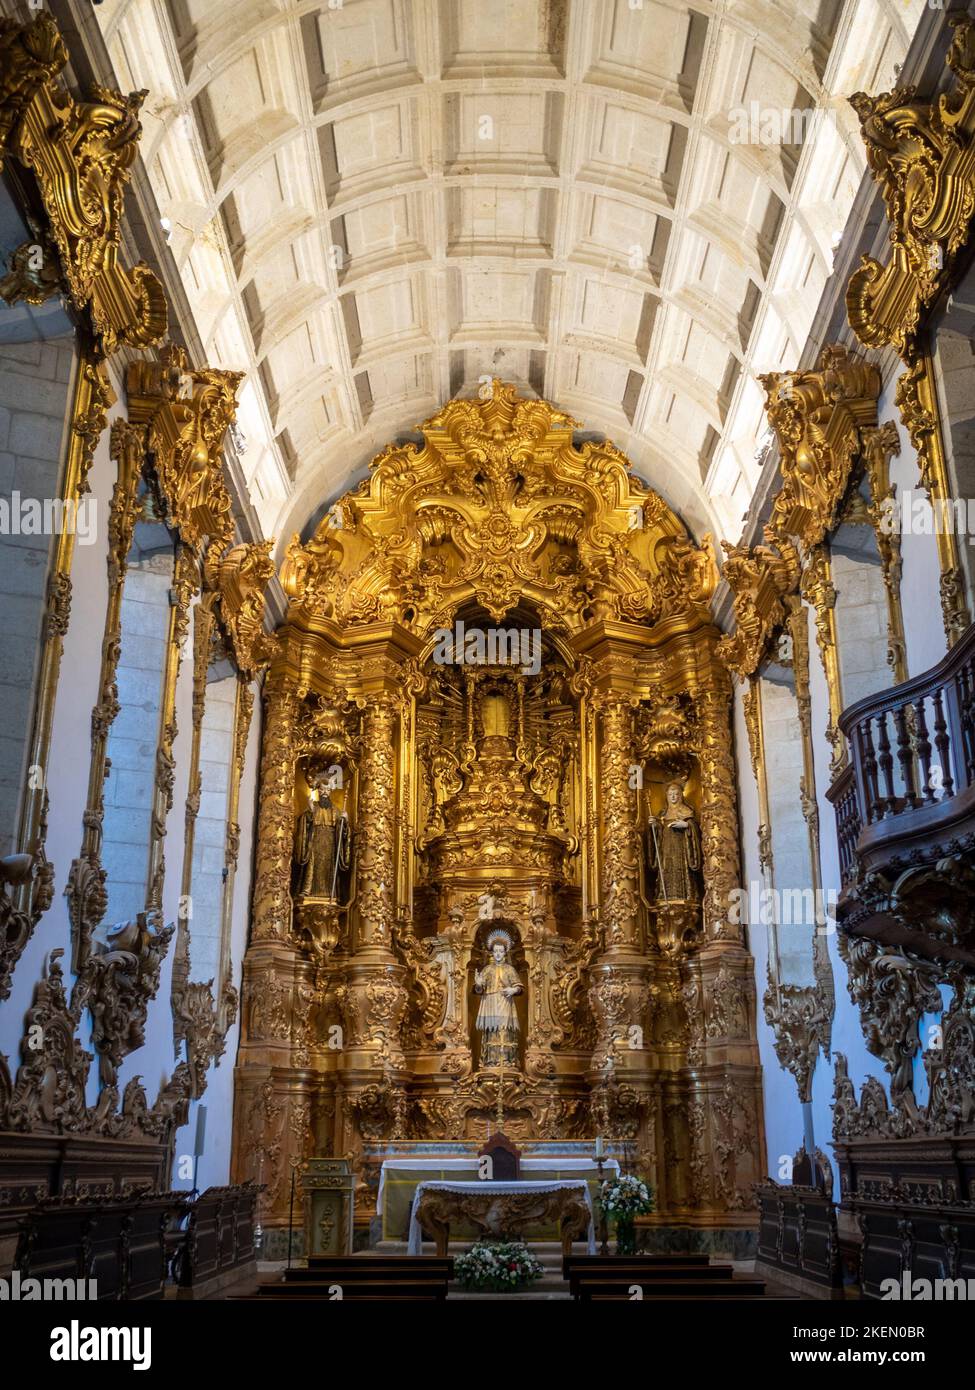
363,1276
339,1267
380,1286
623,1269
599,1286
119,1244
598,1262
217,1244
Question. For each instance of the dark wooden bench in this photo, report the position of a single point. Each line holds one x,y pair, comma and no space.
600,1286
216,1247
634,1273
380,1286
337,1268
121,1244
647,1297
594,1263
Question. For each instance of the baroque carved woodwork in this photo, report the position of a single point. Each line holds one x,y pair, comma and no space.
922,156
172,439
185,414
880,445
818,418
81,154
23,906
499,649
47,1095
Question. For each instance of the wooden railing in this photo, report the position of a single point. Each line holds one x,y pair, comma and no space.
910,785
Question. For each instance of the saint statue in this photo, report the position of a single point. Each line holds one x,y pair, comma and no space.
321,843
497,1019
674,848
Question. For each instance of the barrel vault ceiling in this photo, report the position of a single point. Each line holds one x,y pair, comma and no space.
376,204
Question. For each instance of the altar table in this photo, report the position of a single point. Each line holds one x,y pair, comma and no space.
399,1176
497,1208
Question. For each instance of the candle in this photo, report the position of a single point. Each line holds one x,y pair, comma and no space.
599,1146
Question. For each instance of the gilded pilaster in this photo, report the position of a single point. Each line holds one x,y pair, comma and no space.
819,592
916,399
879,446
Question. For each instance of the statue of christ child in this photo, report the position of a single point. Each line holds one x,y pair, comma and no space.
497,1019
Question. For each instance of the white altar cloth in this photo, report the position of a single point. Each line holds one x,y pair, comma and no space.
528,1165
415,1246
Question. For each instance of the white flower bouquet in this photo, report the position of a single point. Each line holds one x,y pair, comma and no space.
502,1266
625,1197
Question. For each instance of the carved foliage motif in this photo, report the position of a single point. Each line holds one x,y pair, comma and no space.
48,1093
891,995
818,418
498,503
185,414
759,577
922,155
81,153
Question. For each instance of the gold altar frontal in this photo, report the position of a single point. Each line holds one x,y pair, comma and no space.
499,663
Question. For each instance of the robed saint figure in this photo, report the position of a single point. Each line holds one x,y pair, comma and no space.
497,1018
321,844
673,843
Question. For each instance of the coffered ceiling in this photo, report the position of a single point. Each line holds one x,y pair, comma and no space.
377,204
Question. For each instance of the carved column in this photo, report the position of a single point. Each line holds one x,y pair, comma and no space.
275,819
618,987
719,812
916,399
373,995
376,849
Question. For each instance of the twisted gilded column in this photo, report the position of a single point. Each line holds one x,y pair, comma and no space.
719,813
376,825
273,1083
275,820
618,989
373,996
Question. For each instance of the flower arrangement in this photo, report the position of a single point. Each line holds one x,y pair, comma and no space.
502,1266
624,1198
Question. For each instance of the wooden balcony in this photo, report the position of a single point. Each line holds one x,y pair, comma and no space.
905,812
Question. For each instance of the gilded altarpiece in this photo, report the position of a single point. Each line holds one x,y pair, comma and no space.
497,685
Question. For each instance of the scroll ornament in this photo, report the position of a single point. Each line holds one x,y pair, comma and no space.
81,154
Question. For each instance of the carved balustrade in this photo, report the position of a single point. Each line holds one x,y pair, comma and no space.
905,808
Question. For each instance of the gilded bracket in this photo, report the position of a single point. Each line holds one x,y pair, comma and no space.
185,415
922,154
80,153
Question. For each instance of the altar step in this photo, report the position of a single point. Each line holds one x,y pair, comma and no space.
663,1278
